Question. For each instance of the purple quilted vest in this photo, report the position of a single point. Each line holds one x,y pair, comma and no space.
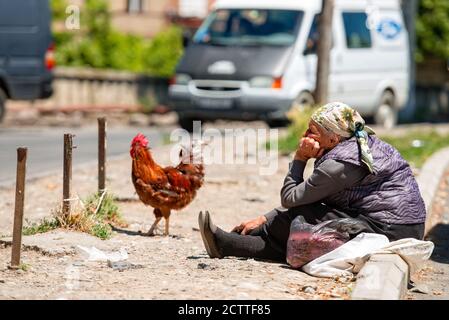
391,195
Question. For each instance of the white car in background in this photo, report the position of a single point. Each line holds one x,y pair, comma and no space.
256,59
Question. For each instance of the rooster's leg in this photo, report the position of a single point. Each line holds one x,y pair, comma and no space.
151,231
167,220
166,215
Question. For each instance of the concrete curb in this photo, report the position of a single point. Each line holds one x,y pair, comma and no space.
383,277
386,276
429,180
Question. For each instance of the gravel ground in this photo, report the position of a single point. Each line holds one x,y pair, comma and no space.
175,267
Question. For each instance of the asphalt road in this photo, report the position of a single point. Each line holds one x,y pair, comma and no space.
45,147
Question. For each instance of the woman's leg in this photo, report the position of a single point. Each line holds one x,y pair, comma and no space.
220,243
248,246
269,241
397,231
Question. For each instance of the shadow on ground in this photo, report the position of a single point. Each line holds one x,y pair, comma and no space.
439,235
127,232
139,233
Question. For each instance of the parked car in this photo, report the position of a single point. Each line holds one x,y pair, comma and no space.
256,59
26,51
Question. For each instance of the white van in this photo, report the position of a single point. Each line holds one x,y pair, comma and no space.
256,59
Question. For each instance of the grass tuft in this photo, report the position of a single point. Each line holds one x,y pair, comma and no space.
299,123
94,216
43,226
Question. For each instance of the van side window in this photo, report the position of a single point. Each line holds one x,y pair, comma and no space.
312,39
357,33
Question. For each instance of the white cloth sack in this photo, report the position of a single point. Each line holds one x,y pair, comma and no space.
348,259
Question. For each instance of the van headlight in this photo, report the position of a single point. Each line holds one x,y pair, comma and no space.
266,82
182,79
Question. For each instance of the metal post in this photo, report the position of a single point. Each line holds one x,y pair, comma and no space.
101,155
323,52
67,174
18,210
410,10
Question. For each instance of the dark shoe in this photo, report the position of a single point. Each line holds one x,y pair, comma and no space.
207,229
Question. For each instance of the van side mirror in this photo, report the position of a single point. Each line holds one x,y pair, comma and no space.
311,47
307,51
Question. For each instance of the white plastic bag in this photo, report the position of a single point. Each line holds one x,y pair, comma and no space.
94,254
348,259
413,251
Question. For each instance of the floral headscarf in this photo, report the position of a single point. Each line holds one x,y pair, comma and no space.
344,121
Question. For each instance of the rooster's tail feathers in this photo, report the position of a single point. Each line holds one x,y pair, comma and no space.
192,153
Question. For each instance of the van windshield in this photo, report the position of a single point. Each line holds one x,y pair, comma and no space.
250,27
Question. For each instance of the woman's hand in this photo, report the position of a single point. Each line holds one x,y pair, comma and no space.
308,148
246,227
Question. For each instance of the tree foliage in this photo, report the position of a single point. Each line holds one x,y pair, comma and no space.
432,29
58,9
99,45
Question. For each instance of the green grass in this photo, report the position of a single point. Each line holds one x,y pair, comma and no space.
43,226
417,146
94,218
299,124
25,267
102,231
108,211
286,144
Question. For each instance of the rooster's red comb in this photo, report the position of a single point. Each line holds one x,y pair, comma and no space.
140,139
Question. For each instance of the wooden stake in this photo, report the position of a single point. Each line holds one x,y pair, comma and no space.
67,174
101,155
18,210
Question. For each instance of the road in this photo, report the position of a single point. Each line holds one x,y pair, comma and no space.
45,147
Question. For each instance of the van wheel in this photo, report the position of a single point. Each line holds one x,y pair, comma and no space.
186,122
386,114
304,99
277,123
2,105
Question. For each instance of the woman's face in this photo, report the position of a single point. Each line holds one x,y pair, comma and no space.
326,139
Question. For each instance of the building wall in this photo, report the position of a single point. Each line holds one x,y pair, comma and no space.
149,22
156,14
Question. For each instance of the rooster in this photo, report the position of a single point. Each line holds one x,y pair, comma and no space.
169,188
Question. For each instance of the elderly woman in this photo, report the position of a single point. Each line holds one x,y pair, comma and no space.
356,176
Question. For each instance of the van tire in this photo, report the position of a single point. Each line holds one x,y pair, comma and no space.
386,115
186,122
277,123
305,98
2,105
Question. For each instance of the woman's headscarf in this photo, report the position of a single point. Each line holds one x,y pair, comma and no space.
344,121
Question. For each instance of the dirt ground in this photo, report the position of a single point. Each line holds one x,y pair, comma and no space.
175,267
